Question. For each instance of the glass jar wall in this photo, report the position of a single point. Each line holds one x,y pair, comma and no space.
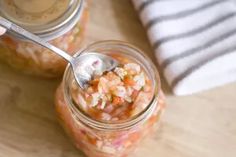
61,22
113,128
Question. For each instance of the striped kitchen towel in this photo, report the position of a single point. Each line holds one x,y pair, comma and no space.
194,41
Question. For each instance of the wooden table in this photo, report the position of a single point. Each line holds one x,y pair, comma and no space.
202,125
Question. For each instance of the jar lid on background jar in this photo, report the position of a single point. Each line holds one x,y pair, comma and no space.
47,18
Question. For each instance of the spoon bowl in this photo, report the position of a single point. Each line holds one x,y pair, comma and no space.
90,64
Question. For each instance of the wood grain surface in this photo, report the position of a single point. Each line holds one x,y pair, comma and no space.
201,125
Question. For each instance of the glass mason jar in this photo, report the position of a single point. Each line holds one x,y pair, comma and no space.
61,22
99,138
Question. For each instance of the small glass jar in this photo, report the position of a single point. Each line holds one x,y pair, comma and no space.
61,22
98,138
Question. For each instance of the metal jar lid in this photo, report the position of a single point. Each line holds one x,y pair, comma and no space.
48,19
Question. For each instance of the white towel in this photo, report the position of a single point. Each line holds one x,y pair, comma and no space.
194,41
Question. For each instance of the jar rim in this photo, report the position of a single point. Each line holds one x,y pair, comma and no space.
120,125
56,27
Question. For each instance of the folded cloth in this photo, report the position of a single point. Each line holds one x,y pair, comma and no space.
194,41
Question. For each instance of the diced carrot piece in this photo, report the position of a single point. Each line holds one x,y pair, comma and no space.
10,42
152,120
91,140
129,81
134,137
94,82
117,100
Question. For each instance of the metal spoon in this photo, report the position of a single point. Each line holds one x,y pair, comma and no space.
84,67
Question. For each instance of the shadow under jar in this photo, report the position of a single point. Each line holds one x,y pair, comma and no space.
61,22
117,109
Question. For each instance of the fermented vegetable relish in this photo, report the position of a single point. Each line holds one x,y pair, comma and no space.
111,101
116,95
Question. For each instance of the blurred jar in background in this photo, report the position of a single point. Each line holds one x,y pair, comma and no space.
118,109
61,22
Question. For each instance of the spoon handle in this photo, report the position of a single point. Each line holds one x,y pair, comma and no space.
30,36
